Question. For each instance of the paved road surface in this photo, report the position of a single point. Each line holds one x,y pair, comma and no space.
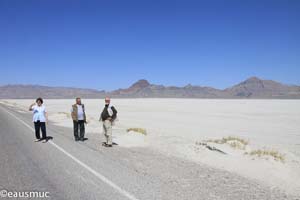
75,170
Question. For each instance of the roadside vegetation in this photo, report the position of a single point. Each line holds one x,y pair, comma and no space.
267,153
138,130
234,142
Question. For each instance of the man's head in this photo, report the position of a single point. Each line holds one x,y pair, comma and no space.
107,100
78,101
39,101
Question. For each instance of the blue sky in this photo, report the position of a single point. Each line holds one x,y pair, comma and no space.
111,44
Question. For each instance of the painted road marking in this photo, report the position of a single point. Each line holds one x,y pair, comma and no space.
97,174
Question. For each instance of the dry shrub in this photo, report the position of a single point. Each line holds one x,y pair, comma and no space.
271,153
234,142
138,130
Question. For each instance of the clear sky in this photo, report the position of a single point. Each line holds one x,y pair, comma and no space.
111,44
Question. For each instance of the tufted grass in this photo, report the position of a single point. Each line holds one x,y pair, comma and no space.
138,130
234,142
271,153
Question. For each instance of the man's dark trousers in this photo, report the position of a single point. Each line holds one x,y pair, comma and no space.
79,124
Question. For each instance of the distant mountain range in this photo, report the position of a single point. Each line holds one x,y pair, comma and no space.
252,88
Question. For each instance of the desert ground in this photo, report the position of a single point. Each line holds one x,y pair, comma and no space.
257,139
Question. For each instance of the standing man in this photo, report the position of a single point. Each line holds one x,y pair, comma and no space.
79,119
108,115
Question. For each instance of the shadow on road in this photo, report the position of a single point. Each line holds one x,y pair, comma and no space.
47,139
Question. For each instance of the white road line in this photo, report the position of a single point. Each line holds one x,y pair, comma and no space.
97,174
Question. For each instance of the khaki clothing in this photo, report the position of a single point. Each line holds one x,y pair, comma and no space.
74,113
107,129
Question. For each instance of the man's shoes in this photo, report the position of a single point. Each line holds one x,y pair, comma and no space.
81,139
106,145
37,140
76,139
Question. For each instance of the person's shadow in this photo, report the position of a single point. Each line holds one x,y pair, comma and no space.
48,138
104,143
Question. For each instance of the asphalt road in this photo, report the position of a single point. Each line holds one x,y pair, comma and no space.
66,169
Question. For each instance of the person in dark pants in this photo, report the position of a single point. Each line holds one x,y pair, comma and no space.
40,118
79,119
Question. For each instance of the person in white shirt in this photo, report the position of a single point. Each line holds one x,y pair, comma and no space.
79,119
40,118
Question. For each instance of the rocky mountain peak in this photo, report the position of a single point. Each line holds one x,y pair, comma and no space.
253,79
140,84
